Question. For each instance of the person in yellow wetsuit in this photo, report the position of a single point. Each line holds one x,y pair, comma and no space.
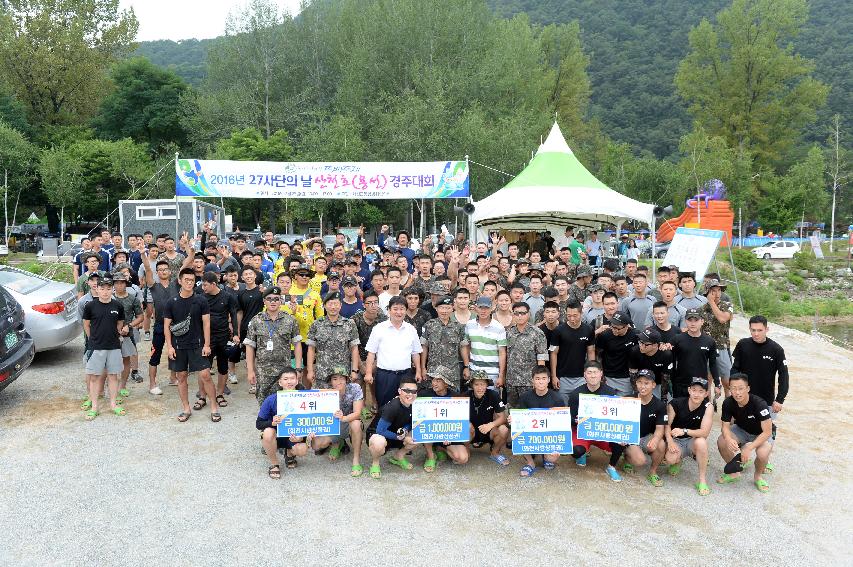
303,303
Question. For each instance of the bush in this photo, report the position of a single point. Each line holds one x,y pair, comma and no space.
785,296
746,261
760,300
802,260
795,279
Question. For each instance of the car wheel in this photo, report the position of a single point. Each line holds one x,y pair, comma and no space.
766,255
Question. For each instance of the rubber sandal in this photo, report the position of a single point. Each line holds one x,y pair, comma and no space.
215,417
199,403
548,465
252,389
702,489
429,465
221,401
183,416
654,480
119,411
499,459
356,471
527,471
335,452
768,468
124,393
91,414
627,468
275,472
86,405
727,479
402,463
762,485
375,471
440,456
674,469
290,462
366,414
477,445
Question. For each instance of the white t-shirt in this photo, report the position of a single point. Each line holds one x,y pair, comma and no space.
384,300
394,347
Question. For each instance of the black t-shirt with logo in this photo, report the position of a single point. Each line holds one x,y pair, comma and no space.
616,352
668,335
694,356
660,362
748,417
178,309
483,409
652,414
103,324
685,418
572,344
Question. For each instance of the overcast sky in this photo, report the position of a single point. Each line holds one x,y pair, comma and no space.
185,19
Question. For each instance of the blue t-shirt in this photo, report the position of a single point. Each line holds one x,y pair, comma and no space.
348,310
269,407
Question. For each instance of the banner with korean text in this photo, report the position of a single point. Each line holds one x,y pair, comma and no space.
308,411
321,180
609,418
436,420
541,431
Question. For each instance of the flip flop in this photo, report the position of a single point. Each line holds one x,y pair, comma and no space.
119,411
499,459
335,452
91,414
356,471
703,489
402,463
768,468
86,405
183,416
290,462
124,393
548,465
674,469
375,471
199,403
527,471
726,478
762,485
654,479
627,468
429,465
440,456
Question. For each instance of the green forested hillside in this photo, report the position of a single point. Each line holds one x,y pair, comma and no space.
187,58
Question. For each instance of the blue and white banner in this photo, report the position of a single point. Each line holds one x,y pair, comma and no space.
308,411
435,420
321,180
609,418
541,431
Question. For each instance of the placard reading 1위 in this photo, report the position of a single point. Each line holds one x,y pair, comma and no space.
541,431
435,420
609,418
308,411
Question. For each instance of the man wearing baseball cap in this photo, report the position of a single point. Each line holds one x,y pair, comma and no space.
688,426
442,340
488,417
653,418
648,355
350,302
694,354
613,347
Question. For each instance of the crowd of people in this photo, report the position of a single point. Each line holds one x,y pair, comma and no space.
507,327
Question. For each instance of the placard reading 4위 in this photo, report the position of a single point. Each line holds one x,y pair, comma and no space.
435,420
308,411
541,431
609,418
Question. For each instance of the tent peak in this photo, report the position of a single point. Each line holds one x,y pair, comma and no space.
555,142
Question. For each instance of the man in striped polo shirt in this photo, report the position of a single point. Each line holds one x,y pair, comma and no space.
486,349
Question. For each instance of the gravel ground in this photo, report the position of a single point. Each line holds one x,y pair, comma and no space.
145,489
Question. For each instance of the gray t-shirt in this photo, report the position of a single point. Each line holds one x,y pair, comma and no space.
638,308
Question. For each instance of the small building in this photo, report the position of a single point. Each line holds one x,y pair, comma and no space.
169,216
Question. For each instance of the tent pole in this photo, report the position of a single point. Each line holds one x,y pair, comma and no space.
177,212
654,241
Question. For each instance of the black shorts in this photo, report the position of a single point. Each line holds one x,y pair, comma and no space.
189,361
221,352
284,443
480,437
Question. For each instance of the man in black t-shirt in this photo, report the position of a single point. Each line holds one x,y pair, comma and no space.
746,427
250,302
393,428
223,329
653,417
103,323
593,374
488,417
186,324
648,355
694,354
689,424
540,396
614,350
572,344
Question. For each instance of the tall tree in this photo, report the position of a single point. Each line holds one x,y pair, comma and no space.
55,54
743,81
800,194
145,105
838,164
18,158
61,179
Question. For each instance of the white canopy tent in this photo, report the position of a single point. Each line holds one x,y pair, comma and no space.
555,191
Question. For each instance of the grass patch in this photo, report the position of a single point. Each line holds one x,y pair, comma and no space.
60,272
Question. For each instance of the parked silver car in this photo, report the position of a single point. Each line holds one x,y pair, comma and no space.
50,307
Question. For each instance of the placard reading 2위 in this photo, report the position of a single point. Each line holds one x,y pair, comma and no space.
541,431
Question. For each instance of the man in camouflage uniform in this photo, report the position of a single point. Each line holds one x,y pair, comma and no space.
364,321
579,290
332,342
718,313
526,348
422,279
268,340
441,340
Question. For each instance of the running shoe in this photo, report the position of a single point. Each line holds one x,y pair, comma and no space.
581,461
232,378
613,473
155,391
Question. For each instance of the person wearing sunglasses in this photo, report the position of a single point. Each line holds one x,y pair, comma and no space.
269,337
527,348
393,429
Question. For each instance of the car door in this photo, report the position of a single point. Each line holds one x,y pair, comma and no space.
11,323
